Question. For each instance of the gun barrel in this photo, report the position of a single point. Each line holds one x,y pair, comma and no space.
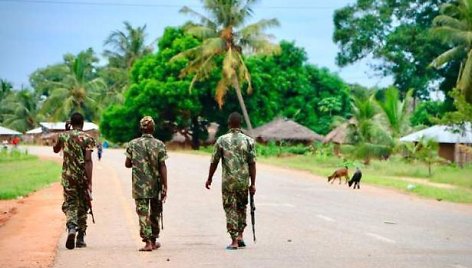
253,216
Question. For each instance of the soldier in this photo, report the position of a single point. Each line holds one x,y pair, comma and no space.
76,177
238,155
147,155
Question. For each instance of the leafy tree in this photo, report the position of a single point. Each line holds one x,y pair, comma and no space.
283,85
157,90
77,90
426,112
396,34
226,36
286,85
425,150
463,113
454,27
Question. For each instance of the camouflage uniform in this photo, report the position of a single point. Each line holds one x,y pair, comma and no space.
237,151
74,180
145,154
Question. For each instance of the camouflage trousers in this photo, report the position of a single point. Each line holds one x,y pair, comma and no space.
234,204
75,208
149,211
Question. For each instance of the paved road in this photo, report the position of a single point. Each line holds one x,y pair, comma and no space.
302,221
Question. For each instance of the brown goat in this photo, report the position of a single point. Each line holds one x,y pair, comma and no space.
342,172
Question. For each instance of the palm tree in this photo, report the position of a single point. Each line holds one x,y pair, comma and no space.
5,88
454,27
22,110
225,36
128,46
395,111
363,124
366,132
77,91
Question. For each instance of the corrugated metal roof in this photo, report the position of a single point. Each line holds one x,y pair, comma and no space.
7,131
37,130
443,134
61,126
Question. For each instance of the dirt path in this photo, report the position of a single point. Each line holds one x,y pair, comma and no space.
29,237
30,227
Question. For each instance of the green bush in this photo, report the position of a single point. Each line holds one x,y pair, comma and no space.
14,155
273,149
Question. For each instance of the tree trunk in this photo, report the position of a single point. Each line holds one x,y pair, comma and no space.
195,133
429,168
243,107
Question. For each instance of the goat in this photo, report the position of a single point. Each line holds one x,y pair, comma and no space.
356,179
342,172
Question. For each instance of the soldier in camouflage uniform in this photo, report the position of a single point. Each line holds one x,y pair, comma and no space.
238,154
147,155
76,177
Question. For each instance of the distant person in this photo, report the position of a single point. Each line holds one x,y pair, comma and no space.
238,155
15,141
146,156
5,144
99,150
76,177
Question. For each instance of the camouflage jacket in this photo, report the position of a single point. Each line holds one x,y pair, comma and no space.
145,153
75,143
236,152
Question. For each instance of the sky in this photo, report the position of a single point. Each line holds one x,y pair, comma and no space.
37,33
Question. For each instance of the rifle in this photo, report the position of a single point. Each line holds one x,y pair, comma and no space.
162,214
253,215
88,198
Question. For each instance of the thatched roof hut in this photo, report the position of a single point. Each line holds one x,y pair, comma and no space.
339,134
281,129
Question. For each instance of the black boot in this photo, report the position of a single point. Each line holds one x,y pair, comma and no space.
70,242
80,243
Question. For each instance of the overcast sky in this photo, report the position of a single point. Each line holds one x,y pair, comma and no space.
37,33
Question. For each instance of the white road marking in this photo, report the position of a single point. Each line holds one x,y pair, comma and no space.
326,218
275,205
459,266
381,238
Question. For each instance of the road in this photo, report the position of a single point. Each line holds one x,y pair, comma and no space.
302,221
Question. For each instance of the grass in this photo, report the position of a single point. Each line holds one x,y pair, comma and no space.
393,173
21,174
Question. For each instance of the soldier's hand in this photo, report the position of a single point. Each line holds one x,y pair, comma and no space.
252,189
207,184
68,125
164,195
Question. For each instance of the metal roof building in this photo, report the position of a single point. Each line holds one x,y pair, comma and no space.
451,140
60,126
443,134
8,132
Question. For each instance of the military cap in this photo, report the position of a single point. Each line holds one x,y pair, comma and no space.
146,122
